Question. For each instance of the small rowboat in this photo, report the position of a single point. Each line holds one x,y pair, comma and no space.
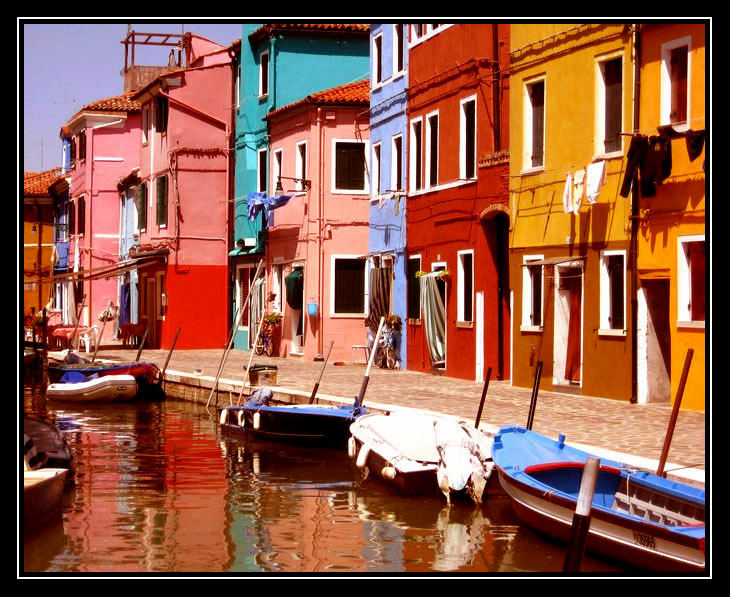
142,372
108,388
316,425
420,454
639,518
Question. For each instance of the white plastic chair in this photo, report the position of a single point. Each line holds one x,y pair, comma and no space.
90,337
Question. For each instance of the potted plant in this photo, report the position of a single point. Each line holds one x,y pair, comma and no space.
270,336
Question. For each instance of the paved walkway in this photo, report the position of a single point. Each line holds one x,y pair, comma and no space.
614,428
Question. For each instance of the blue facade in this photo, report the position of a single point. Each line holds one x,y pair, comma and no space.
388,131
300,62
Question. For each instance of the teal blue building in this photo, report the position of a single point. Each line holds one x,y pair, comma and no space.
280,63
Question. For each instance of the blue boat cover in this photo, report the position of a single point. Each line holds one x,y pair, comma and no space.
72,377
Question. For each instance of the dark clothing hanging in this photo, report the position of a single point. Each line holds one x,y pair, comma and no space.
637,152
695,142
653,158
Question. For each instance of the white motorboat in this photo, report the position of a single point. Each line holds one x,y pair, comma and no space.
105,388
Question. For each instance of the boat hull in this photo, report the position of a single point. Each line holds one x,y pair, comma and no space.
108,388
42,495
549,507
312,425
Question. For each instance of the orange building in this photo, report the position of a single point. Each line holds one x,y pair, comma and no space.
670,216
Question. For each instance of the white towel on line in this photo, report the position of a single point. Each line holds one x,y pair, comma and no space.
578,189
568,194
595,177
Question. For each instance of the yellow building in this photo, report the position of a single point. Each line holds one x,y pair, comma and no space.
670,217
38,238
570,101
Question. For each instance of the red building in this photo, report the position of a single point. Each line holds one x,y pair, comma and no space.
457,209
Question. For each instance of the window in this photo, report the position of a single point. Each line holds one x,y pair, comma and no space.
675,89
72,217
263,157
468,139
82,215
432,149
349,166
162,201
142,206
417,30
264,74
534,125
238,86
301,164
613,293
532,293
609,117
161,113
72,150
691,279
377,60
82,145
349,286
162,295
278,161
465,303
416,175
145,123
398,53
396,167
376,168
414,289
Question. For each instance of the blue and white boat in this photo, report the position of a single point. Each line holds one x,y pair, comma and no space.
639,518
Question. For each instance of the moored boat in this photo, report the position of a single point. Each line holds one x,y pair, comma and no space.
107,388
317,425
421,454
639,518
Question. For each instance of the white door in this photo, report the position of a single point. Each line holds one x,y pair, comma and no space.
479,331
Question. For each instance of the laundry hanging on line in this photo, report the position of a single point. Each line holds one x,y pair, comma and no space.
257,202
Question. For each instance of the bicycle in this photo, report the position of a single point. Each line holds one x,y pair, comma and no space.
264,343
385,357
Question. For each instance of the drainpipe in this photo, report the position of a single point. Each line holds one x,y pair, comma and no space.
320,217
633,248
496,73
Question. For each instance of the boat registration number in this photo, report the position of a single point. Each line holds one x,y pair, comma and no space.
644,540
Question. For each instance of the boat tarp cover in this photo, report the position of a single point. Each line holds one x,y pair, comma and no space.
434,318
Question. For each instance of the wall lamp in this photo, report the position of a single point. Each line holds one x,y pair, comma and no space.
307,184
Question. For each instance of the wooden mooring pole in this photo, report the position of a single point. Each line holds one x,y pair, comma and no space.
675,412
582,516
321,372
484,395
533,400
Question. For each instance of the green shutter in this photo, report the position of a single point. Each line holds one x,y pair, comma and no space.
162,201
142,206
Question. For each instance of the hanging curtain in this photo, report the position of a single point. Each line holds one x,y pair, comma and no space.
257,307
294,289
69,305
572,356
379,304
434,319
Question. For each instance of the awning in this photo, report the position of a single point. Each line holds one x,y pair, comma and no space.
554,260
105,271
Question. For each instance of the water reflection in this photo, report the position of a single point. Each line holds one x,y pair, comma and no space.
160,489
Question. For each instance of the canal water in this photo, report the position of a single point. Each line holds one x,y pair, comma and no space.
160,489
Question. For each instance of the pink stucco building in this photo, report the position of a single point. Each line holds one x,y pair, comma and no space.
104,144
182,191
318,241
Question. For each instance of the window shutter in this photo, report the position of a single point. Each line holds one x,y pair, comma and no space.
162,201
470,125
678,66
612,80
82,215
350,166
697,280
537,97
161,114
142,206
349,286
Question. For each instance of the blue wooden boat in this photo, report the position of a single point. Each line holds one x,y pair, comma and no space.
639,518
316,425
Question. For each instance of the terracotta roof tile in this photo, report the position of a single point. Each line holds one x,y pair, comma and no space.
118,103
35,184
357,93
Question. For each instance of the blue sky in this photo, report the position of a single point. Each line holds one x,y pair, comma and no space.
63,66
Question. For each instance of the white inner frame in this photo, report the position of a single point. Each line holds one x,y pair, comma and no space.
428,165
462,137
666,81
600,124
395,156
414,159
366,179
526,321
301,164
605,296
684,281
527,124
333,259
461,298
375,187
264,93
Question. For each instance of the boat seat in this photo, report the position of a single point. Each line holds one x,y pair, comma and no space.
90,338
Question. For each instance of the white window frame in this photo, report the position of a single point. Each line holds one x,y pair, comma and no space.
605,328
378,61
375,186
145,124
684,282
238,86
527,124
461,297
462,137
366,179
161,298
420,265
414,159
666,82
333,313
428,165
301,165
526,319
600,123
264,92
395,156
399,49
